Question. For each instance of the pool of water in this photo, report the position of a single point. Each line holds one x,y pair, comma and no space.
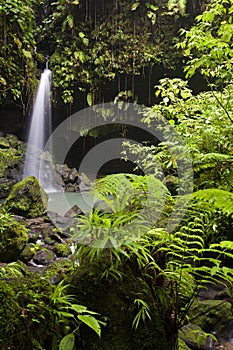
61,202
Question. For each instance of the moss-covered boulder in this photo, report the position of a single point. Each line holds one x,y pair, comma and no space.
13,238
4,143
62,249
27,198
27,253
59,269
212,315
193,336
44,257
114,300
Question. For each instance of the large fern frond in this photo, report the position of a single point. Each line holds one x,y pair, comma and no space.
218,199
130,192
210,160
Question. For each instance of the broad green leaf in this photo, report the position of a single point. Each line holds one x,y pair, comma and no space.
68,342
91,322
65,314
80,309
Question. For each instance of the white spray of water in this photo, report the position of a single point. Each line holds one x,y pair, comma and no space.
40,130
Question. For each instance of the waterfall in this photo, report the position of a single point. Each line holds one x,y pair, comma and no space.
37,163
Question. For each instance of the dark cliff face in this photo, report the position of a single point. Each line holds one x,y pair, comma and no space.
13,121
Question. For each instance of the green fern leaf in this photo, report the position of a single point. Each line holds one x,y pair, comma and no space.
217,198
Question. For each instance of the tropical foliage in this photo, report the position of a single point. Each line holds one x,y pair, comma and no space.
204,123
17,42
89,44
173,266
37,315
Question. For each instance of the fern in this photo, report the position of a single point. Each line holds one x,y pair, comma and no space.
173,266
124,193
218,199
210,160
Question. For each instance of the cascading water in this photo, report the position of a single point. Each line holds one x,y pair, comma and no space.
37,163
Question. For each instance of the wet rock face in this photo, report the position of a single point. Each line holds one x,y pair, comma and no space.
27,198
69,176
12,153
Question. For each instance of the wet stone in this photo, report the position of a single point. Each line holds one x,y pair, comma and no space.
27,253
57,237
33,237
74,211
44,257
62,249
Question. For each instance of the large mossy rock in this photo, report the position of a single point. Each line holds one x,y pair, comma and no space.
13,238
114,301
212,316
27,198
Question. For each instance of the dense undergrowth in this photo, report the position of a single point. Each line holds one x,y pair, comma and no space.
139,276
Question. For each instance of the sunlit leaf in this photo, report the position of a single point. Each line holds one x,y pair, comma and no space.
91,322
68,342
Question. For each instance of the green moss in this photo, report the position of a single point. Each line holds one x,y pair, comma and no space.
13,238
211,315
5,187
10,312
192,334
27,198
182,345
27,253
4,143
61,249
13,140
9,157
59,268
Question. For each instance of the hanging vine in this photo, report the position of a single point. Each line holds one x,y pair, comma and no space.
89,43
17,45
92,43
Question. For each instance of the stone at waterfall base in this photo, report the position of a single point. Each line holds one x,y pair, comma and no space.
27,198
13,238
